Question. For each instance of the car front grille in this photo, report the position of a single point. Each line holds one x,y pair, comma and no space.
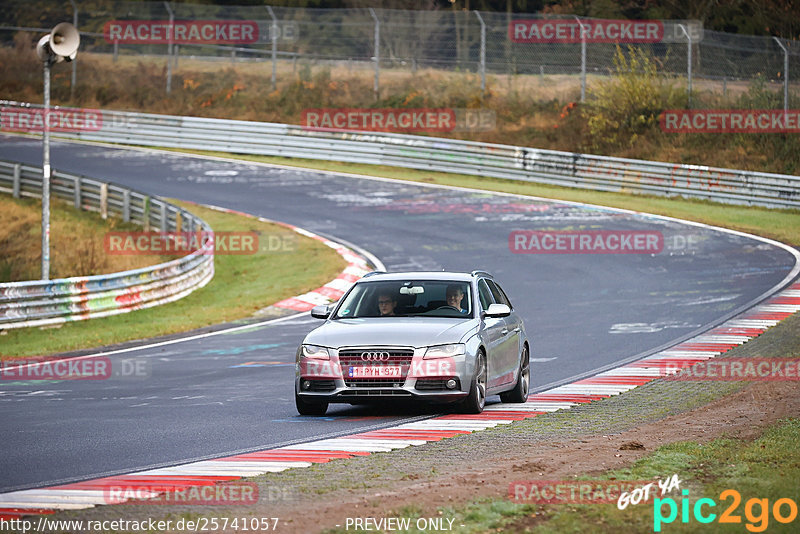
352,358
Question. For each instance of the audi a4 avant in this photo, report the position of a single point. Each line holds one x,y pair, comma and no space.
431,336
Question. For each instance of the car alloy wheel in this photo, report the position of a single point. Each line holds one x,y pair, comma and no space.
476,400
520,391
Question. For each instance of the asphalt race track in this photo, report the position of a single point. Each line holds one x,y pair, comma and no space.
233,392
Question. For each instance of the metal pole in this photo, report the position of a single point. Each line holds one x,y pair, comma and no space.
688,64
274,47
583,61
74,78
169,46
483,53
785,75
46,176
376,84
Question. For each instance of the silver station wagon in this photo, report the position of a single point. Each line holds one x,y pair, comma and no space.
435,336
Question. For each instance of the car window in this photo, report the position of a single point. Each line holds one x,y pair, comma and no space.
498,294
407,298
485,294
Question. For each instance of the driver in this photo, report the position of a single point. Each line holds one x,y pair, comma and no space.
454,296
387,302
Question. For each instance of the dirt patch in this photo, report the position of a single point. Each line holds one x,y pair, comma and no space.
743,415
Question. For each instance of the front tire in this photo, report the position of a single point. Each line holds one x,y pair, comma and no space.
520,391
309,408
476,400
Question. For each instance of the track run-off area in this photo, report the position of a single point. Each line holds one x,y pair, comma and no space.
232,393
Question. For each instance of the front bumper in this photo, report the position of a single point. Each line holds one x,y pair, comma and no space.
425,380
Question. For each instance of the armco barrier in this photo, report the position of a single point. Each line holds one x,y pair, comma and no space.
47,302
419,152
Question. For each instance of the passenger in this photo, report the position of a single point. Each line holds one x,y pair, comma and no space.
387,302
454,295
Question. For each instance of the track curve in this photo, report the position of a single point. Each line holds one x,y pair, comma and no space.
584,312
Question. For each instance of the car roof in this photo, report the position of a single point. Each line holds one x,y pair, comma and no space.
419,275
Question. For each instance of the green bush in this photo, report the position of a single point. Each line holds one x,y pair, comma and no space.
628,104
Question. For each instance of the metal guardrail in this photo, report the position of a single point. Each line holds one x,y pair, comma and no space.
47,302
426,153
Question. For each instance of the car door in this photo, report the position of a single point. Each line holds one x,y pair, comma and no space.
510,344
493,336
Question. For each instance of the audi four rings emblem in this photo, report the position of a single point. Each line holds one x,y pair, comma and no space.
374,356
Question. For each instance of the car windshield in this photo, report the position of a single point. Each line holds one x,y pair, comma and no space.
408,298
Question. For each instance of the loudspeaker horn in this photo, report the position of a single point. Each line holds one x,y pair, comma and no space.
64,40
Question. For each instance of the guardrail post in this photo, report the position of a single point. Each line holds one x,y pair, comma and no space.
78,183
785,75
15,183
377,46
274,32
146,214
164,227
483,54
126,205
104,201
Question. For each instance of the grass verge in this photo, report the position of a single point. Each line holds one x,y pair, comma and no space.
76,241
242,284
782,225
706,470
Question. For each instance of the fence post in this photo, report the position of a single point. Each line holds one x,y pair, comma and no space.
104,201
377,46
583,61
483,53
16,180
688,64
274,36
116,49
74,77
169,46
785,75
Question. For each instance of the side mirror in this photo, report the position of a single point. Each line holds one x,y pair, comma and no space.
498,310
321,312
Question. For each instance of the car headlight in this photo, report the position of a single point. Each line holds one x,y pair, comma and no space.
445,351
315,352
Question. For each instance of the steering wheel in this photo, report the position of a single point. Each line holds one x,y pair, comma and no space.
447,306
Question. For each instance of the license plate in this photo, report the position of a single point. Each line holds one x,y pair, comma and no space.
376,371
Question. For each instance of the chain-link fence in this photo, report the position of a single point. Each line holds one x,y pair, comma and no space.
492,44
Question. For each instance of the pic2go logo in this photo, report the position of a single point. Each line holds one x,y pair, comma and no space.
756,511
